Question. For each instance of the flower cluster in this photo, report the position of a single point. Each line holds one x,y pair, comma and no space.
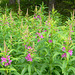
6,61
37,17
28,57
64,55
30,51
41,36
63,49
50,41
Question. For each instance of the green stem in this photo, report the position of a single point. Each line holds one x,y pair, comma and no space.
29,68
6,72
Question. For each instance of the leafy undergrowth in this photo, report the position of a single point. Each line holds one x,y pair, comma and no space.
36,45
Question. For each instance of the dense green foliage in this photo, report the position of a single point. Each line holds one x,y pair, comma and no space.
65,7
50,42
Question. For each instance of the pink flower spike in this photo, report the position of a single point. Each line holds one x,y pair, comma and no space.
41,36
64,55
28,57
50,41
6,60
63,49
38,40
70,52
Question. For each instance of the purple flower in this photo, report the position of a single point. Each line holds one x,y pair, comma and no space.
3,59
70,51
38,33
29,47
6,64
28,57
34,17
36,37
70,38
6,61
72,31
49,34
25,46
10,61
63,49
64,55
8,57
50,41
41,36
38,40
39,17
46,21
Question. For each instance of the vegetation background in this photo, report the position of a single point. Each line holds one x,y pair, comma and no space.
37,37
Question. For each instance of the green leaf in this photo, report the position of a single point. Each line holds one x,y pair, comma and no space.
56,72
38,72
29,69
1,54
56,53
67,57
2,69
11,51
58,64
24,70
43,67
71,60
71,68
7,69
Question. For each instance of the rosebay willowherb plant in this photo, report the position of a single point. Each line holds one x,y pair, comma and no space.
36,45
